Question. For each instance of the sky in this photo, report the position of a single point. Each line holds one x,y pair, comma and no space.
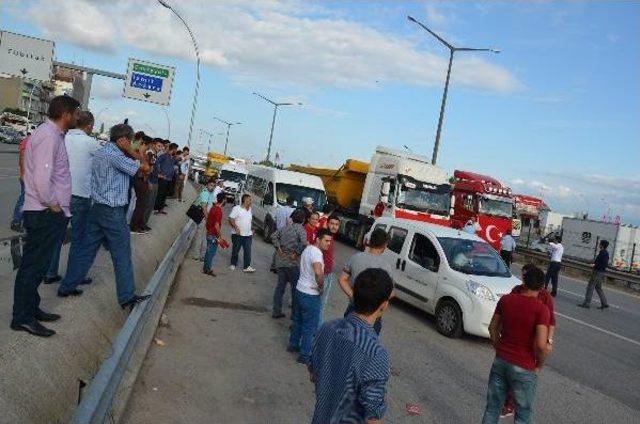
554,114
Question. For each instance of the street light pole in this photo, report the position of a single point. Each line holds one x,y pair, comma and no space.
273,121
452,50
228,124
197,50
166,113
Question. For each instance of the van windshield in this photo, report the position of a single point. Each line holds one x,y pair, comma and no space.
234,176
283,191
473,257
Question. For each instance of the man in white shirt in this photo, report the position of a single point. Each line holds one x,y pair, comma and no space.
307,306
556,250
507,247
240,220
80,150
218,189
283,213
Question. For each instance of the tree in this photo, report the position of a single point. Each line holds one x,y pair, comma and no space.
15,111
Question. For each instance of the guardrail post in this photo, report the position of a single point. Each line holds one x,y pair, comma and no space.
633,253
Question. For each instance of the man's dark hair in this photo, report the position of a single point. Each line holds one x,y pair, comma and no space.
379,238
85,118
158,140
290,200
323,232
119,131
220,197
328,209
526,267
333,217
60,105
533,278
244,197
558,239
372,288
298,216
185,149
139,135
147,139
173,146
179,152
604,244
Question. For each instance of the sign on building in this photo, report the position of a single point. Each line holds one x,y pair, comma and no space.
26,57
149,82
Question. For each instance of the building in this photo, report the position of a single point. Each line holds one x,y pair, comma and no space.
28,96
72,82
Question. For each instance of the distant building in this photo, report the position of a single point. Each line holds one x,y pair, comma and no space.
28,96
74,83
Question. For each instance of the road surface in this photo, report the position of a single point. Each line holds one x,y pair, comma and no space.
222,359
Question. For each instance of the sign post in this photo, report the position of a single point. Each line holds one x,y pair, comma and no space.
26,57
149,82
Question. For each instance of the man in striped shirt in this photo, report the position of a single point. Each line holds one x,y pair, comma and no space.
112,169
349,366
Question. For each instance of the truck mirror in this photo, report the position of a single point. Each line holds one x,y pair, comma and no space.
385,190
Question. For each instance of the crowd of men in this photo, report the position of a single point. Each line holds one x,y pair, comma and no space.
66,175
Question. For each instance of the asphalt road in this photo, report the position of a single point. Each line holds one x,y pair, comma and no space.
222,358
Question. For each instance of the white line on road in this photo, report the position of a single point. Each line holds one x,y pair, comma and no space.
581,296
611,333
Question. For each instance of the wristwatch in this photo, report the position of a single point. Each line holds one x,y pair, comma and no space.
550,341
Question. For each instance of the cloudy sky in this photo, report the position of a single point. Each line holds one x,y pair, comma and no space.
554,114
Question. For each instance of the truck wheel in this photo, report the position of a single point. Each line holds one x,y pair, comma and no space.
449,319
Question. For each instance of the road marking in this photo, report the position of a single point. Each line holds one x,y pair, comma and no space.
581,296
611,333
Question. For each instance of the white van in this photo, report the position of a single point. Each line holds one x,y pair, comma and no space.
234,176
271,187
448,273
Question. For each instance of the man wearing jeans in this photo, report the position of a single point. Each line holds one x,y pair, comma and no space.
214,234
240,220
556,250
289,243
113,166
47,183
519,333
307,305
16,222
80,148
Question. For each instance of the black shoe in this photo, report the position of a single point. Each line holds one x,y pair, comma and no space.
603,306
293,349
146,228
554,294
302,360
74,292
86,281
16,226
584,305
46,316
51,280
34,328
277,316
135,300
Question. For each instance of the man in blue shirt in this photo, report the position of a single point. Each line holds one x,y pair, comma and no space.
597,278
349,366
112,169
507,247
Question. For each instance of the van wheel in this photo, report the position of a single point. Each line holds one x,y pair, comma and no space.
449,319
267,232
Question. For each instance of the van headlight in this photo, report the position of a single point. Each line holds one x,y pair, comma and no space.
480,291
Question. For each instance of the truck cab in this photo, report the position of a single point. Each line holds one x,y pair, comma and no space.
487,201
404,185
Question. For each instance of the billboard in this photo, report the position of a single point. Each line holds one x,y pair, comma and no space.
26,57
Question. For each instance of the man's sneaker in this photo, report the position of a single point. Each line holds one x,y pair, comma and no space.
249,269
584,305
16,226
232,267
605,306
506,411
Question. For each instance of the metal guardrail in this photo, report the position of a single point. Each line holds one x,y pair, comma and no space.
614,274
125,358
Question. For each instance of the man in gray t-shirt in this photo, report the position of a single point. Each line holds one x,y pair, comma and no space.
365,260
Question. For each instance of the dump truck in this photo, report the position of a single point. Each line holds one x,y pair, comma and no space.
395,183
214,163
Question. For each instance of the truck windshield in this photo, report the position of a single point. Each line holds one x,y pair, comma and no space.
473,257
283,191
424,197
237,177
496,207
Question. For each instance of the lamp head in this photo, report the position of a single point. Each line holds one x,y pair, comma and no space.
164,3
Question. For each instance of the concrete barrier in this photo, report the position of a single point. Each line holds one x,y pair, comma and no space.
41,379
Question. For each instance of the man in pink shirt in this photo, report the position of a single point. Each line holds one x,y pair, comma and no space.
47,184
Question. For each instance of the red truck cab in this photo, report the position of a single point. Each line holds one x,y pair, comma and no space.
487,201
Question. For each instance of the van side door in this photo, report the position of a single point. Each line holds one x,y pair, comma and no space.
421,269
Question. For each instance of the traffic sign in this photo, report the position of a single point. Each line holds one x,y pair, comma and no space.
26,57
149,82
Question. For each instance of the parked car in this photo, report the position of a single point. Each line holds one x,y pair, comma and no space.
10,136
456,276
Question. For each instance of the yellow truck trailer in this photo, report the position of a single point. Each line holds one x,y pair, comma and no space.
214,162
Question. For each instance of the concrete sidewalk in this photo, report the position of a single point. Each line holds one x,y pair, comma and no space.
223,358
